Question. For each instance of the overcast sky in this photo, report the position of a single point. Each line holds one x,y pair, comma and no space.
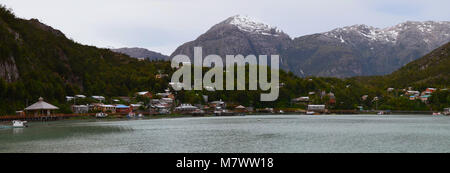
163,25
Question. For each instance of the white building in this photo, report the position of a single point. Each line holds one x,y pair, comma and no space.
80,96
319,108
99,98
186,107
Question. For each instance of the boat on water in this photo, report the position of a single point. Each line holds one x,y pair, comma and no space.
380,113
310,113
19,124
436,113
101,115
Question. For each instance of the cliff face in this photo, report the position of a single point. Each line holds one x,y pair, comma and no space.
8,70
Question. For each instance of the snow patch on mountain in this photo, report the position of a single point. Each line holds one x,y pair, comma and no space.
248,24
387,35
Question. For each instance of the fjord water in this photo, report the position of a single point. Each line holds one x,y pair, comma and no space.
269,133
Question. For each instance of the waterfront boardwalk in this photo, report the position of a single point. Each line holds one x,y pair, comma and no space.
42,117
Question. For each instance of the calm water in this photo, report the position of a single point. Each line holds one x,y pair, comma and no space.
287,133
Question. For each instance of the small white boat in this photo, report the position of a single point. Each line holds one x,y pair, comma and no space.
131,115
436,113
310,112
101,115
281,112
19,124
140,115
380,113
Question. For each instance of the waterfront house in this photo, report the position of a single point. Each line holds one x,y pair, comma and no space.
108,108
317,108
123,109
95,106
41,108
80,109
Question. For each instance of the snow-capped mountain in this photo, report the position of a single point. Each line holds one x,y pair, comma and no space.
357,50
251,25
392,34
362,50
238,35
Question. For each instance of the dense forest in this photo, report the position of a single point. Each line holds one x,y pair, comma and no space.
37,60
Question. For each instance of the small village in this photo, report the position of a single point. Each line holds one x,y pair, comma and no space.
146,103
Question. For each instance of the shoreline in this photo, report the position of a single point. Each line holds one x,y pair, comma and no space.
174,116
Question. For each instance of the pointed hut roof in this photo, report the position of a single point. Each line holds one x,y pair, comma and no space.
240,107
41,105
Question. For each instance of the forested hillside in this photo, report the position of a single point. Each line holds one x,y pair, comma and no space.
37,60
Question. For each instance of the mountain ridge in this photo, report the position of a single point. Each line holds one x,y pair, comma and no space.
137,52
233,38
357,50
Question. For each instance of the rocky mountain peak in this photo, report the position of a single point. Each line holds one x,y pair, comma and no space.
251,25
